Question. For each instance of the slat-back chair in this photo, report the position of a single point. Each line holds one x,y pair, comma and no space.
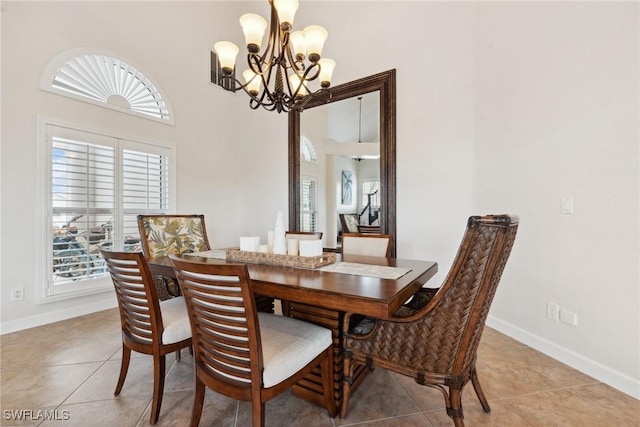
241,353
149,326
440,340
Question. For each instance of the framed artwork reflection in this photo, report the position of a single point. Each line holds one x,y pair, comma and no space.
347,180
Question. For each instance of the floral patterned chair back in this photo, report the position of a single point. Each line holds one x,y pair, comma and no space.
164,235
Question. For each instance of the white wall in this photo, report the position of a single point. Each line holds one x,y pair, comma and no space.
557,116
502,107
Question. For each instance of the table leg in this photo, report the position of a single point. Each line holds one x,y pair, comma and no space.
310,387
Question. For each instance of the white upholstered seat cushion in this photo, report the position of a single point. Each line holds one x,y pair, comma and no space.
288,345
175,320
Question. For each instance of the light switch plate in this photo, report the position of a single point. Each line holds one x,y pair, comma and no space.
567,205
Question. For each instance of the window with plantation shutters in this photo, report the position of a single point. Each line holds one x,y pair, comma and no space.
371,191
98,185
308,204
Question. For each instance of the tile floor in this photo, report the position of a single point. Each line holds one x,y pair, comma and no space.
72,366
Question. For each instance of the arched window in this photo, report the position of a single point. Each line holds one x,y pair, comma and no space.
307,150
107,81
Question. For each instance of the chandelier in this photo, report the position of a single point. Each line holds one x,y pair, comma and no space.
277,79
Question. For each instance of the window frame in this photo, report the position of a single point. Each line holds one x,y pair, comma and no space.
45,287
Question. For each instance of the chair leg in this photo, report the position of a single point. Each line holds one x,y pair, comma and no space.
158,386
454,409
346,388
124,367
198,402
479,392
257,414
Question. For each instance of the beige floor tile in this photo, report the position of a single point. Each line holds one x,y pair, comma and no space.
75,365
619,405
567,408
474,416
379,396
218,411
287,410
113,412
102,384
43,387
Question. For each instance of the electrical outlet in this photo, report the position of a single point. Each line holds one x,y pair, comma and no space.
553,311
17,294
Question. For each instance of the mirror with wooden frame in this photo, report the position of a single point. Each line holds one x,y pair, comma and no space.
384,86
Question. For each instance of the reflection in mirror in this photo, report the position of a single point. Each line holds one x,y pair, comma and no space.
340,166
342,161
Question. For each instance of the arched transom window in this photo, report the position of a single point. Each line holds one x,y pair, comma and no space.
307,150
107,81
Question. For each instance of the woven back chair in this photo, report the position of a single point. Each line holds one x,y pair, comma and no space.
437,344
244,354
149,326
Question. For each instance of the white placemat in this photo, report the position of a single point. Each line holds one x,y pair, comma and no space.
213,253
379,271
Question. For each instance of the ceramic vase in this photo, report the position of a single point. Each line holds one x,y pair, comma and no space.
279,239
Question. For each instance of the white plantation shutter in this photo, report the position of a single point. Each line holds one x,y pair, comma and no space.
145,188
82,203
308,203
98,185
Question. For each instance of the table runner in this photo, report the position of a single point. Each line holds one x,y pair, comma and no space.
378,271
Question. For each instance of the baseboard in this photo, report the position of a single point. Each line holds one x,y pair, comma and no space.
56,316
605,374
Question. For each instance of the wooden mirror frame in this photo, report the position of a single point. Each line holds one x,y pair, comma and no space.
385,83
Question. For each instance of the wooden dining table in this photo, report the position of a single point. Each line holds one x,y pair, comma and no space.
323,297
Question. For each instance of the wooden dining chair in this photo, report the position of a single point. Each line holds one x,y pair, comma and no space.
369,229
349,222
241,353
164,235
149,326
439,341
366,244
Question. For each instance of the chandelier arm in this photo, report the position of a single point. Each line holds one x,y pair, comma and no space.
295,65
259,100
305,76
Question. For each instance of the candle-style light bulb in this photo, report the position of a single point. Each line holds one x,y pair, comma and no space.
286,12
326,71
253,82
315,36
253,27
227,53
298,45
